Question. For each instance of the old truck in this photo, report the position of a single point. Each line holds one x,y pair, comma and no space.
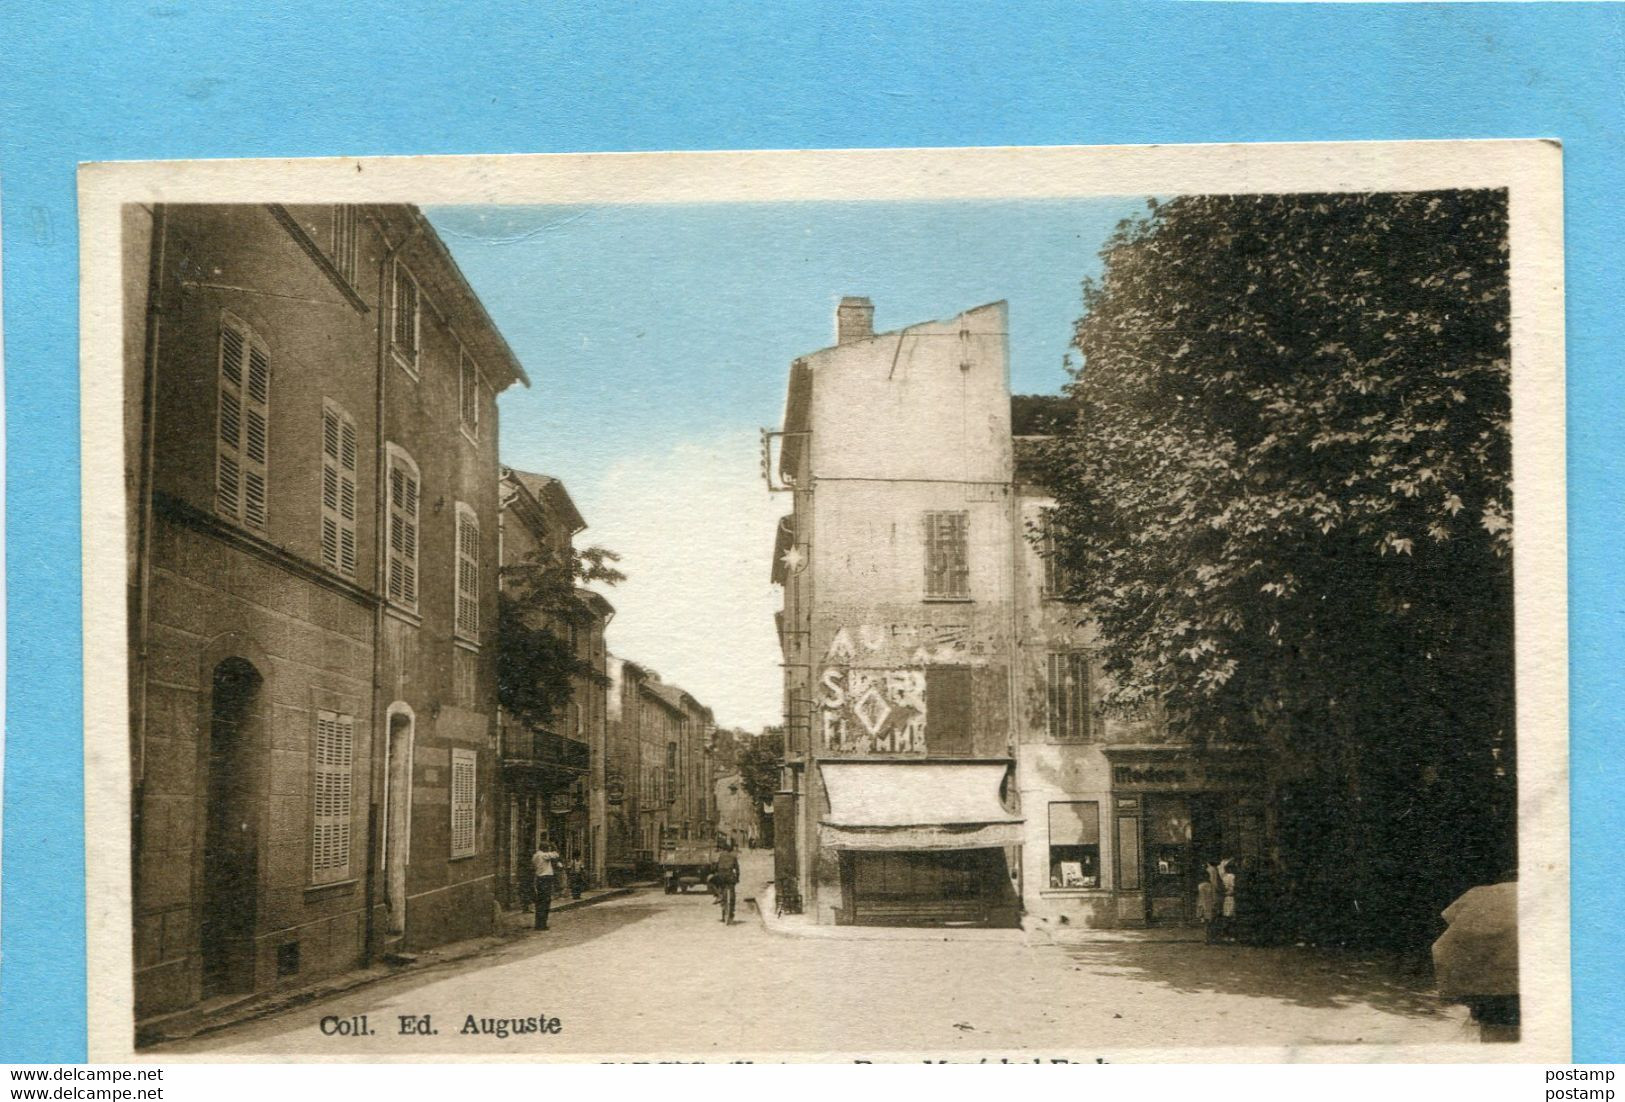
686,864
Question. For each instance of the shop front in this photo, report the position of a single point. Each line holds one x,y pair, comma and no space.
920,843
567,825
1176,811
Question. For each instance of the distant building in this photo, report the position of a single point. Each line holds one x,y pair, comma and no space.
737,813
658,768
945,760
312,479
552,777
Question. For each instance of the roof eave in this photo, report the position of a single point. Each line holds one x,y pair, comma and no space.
507,369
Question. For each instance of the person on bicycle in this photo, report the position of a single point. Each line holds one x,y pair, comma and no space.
727,875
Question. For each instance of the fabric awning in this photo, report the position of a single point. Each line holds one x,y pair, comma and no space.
916,806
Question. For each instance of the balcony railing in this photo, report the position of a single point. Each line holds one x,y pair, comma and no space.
531,747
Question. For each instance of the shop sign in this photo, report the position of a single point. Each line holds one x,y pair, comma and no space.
1186,776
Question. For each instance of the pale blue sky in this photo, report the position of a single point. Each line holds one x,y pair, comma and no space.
658,340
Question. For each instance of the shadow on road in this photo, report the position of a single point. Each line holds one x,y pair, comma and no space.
571,928
1299,976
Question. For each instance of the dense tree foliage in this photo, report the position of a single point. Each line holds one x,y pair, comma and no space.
759,759
1040,414
1286,501
536,662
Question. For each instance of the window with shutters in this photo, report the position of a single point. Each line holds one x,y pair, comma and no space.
948,710
242,441
462,803
331,785
468,391
406,319
1069,697
947,556
338,490
1056,577
468,573
402,580
346,239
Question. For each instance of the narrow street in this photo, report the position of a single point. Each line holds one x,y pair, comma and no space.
651,974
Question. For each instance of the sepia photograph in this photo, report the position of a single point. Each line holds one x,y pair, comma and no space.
1065,603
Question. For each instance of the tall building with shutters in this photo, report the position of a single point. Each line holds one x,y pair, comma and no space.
311,442
658,764
945,761
552,775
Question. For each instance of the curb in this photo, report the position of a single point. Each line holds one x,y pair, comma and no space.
775,924
183,1025
1036,937
574,904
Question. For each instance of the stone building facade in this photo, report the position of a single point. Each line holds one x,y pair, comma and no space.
659,769
737,813
552,777
312,492
945,758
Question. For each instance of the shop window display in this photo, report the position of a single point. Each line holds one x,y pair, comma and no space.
1074,845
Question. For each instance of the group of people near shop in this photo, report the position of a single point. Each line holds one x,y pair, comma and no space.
1237,900
546,865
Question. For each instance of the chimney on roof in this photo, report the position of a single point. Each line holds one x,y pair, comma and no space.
854,320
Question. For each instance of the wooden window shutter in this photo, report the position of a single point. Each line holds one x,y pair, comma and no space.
345,240
338,491
462,802
403,532
1054,584
1069,697
405,323
332,797
948,710
468,572
242,444
256,436
947,558
468,390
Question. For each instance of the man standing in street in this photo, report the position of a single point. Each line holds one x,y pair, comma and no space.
727,875
544,864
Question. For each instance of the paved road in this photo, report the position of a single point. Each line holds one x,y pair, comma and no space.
652,975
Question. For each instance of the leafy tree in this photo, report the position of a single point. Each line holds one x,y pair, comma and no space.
1286,501
1040,414
536,663
760,757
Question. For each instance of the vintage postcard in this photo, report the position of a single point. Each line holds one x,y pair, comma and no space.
1037,604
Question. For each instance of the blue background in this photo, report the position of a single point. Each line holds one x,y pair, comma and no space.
169,78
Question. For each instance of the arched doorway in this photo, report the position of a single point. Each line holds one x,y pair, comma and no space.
398,814
231,836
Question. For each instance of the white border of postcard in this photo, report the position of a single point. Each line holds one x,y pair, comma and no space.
1531,170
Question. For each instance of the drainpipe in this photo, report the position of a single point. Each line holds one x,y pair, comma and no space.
143,537
1018,592
377,829
1015,578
